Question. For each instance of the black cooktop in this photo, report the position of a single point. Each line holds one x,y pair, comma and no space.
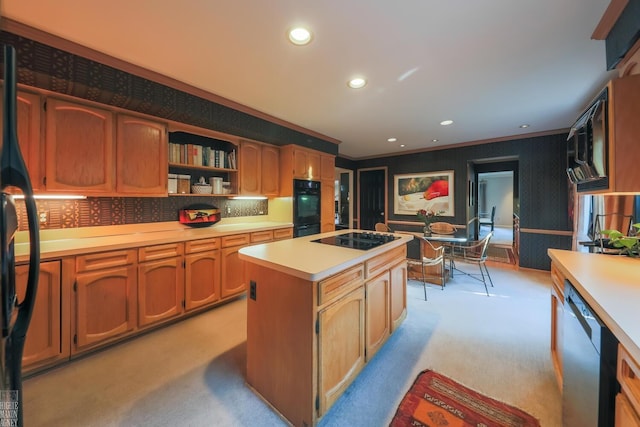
358,240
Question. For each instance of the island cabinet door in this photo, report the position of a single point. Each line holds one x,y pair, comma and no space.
202,279
341,356
160,290
398,294
105,306
377,321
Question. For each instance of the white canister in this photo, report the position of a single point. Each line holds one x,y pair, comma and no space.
173,183
216,184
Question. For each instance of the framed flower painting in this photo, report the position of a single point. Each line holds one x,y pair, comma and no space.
429,191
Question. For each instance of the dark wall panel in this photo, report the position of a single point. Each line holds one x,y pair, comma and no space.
45,67
542,183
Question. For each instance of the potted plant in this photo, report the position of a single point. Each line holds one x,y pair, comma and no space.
629,245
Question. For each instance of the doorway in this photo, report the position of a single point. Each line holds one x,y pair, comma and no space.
343,210
495,189
495,183
372,197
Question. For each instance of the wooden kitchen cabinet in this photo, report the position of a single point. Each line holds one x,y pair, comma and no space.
105,298
29,121
259,169
378,326
302,163
141,149
202,273
341,346
557,315
160,283
233,279
308,340
327,167
623,129
80,149
628,400
398,294
327,206
44,342
283,233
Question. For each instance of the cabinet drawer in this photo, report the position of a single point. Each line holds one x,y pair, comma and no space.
382,262
334,286
235,240
201,245
98,261
628,374
283,233
261,236
151,253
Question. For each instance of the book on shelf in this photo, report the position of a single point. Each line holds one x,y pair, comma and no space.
198,155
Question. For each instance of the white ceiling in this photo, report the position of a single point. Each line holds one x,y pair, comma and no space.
489,65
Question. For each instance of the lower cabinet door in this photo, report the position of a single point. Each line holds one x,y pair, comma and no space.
160,290
43,341
233,275
625,414
377,313
340,346
398,290
202,279
105,305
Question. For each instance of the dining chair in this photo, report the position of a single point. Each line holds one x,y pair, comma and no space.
381,226
430,256
488,219
442,228
474,253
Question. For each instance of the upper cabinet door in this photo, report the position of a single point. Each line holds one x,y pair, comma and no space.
250,170
29,125
141,147
327,166
270,170
80,149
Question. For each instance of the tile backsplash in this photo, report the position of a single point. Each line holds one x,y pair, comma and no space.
97,211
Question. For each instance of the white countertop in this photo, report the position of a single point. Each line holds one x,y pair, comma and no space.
610,284
67,242
313,261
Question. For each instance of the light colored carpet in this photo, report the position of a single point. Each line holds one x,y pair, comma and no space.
192,373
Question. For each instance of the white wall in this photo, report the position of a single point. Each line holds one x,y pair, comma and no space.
499,193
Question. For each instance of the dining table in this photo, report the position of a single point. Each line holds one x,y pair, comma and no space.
459,236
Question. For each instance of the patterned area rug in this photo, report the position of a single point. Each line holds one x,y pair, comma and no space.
435,400
501,253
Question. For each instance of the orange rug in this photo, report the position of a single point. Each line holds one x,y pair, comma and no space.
435,400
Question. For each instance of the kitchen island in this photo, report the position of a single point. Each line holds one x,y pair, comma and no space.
310,328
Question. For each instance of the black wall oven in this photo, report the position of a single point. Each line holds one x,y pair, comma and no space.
306,207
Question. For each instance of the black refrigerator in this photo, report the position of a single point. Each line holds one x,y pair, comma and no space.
15,315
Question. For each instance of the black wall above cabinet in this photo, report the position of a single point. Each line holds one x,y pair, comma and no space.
624,34
46,67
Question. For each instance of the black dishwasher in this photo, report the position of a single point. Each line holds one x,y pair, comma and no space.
589,354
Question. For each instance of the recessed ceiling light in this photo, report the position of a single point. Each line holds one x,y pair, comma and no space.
357,83
434,140
446,122
401,145
524,126
392,139
299,36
